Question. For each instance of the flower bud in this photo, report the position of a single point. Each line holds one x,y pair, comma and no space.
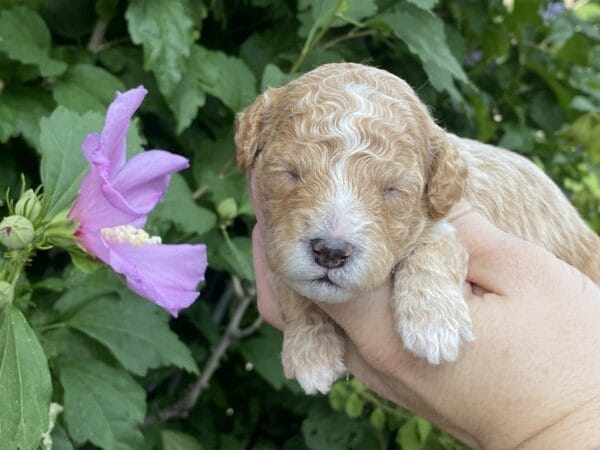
28,205
6,293
16,232
227,209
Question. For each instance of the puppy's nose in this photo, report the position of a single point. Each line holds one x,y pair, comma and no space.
330,253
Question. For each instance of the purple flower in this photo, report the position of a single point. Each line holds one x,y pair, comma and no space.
552,11
473,58
114,199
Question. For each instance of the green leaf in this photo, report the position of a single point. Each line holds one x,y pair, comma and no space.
354,406
60,440
190,93
408,437
326,430
72,19
263,351
165,30
86,88
25,37
179,207
63,164
135,331
274,77
25,385
7,126
216,171
427,5
175,440
103,405
377,418
407,23
24,106
237,85
424,428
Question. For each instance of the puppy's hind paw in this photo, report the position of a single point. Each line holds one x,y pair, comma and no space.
436,343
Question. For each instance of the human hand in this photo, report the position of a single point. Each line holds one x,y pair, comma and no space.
530,379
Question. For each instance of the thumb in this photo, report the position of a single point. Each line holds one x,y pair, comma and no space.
503,263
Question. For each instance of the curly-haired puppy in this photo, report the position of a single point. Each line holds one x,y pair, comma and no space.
355,179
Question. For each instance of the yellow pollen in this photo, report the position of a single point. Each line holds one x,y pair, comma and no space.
127,234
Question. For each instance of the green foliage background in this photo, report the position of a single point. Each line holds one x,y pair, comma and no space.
522,74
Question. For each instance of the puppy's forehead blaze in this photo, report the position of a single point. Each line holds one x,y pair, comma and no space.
337,116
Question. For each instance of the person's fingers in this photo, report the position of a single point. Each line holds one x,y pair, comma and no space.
503,263
266,299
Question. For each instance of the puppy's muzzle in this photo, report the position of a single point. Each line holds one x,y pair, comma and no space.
330,253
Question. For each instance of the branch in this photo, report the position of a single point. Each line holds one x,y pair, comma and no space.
233,332
96,42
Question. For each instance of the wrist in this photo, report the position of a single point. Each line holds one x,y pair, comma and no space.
579,429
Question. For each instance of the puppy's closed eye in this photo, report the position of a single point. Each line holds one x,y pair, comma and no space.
392,191
291,174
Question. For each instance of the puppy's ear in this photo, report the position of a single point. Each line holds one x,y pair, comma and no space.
248,126
448,176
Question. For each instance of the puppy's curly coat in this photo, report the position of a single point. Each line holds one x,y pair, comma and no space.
354,180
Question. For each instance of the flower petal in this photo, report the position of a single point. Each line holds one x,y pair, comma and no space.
168,275
93,211
143,181
116,125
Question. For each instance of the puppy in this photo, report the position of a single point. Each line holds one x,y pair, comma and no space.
355,180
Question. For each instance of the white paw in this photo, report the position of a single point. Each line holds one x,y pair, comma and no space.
436,341
319,378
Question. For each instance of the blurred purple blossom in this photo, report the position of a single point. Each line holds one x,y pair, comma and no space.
473,58
552,11
114,200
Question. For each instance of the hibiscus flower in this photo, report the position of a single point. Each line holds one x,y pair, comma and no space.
114,200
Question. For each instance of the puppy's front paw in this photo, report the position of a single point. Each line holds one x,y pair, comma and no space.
319,378
436,335
315,367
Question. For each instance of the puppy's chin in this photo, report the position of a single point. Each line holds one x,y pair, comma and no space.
322,290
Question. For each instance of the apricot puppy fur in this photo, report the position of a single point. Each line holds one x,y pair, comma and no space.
355,180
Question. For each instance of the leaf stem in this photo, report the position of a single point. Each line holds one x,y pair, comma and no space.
312,40
52,326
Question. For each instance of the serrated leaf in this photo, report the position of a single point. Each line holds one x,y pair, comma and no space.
135,331
263,351
103,405
175,440
179,207
25,385
63,164
407,23
190,93
164,28
24,37
237,85
86,88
